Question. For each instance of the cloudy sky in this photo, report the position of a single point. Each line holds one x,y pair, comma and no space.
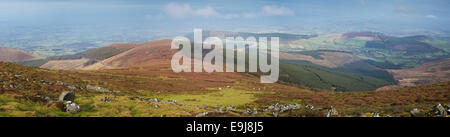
234,15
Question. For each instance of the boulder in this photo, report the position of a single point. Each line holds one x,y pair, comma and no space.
229,108
106,99
255,112
46,98
439,111
71,107
67,96
99,89
220,110
202,114
374,114
275,114
415,112
311,107
332,112
447,107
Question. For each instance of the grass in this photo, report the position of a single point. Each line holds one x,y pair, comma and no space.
224,97
199,90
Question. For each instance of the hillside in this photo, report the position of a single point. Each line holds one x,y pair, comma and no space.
337,62
15,55
330,79
431,72
332,70
153,54
382,51
30,91
79,60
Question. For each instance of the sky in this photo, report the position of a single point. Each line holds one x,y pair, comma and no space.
294,16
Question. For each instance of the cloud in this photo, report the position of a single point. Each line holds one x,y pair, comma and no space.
177,10
184,10
269,11
431,16
276,11
406,9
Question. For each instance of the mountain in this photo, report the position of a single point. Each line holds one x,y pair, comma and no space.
285,38
15,55
153,54
80,60
336,62
373,59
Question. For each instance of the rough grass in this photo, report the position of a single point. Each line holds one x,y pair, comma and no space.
224,97
194,89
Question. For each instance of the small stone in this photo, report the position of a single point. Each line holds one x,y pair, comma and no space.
332,112
311,107
275,114
72,107
414,112
106,99
375,114
439,111
202,114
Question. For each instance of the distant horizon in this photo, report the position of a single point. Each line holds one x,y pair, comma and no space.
51,27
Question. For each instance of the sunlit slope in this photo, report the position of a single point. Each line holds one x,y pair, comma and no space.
15,55
131,92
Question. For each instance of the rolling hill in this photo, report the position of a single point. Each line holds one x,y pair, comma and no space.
15,55
31,91
428,73
382,51
154,54
79,60
337,62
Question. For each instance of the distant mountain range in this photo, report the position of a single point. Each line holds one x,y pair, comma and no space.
136,80
356,61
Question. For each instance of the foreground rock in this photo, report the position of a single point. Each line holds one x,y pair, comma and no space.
202,114
99,89
332,112
106,99
415,112
439,111
67,96
71,107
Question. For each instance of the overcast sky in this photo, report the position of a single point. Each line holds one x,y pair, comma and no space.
233,15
